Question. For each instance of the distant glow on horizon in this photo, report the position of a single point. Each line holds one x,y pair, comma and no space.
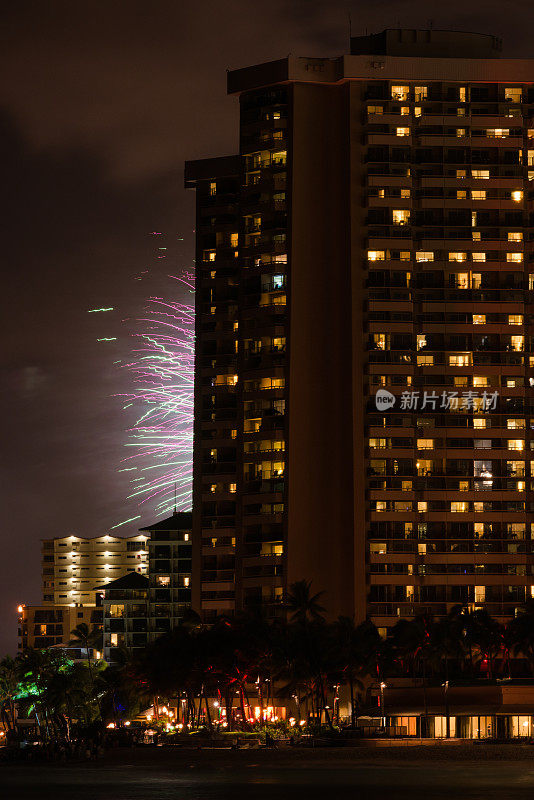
162,376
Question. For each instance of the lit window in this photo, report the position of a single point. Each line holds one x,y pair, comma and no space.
479,256
208,255
478,194
480,380
405,110
403,131
517,343
425,361
480,594
421,341
400,216
375,110
425,444
418,111
516,444
479,423
515,319
461,194
517,196
232,488
480,173
279,159
378,444
515,236
405,193
381,193
513,95
475,235
213,188
457,256
461,280
460,360
424,255
460,133
234,240
422,505
479,319
400,92
405,255
420,93
517,257
461,173
459,506
376,255
378,549
497,133
379,341
462,94
515,424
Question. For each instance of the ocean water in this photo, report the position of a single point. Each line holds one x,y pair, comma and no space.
233,778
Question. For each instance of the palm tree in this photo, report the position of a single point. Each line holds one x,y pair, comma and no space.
8,690
351,656
87,639
486,637
303,606
38,679
520,634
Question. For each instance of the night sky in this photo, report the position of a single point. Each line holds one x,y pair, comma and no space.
101,103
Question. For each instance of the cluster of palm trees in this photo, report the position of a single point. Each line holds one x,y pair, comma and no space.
65,699
245,665
302,658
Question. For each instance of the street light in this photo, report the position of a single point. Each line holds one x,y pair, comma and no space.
447,712
382,687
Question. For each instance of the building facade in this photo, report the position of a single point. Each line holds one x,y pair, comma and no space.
137,607
72,566
372,236
46,625
125,615
169,572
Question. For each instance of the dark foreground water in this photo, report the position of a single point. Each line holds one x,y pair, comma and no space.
142,775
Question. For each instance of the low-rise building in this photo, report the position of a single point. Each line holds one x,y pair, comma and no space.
74,568
125,612
47,625
169,572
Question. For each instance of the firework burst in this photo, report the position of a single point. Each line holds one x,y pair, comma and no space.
162,374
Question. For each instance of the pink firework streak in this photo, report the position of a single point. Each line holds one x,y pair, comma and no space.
162,372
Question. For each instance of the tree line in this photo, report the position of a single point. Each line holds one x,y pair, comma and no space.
250,662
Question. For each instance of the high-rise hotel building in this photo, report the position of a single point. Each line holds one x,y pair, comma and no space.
372,234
